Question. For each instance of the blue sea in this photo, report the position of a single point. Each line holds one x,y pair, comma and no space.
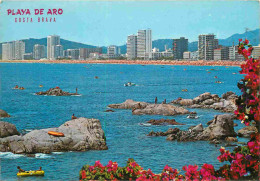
126,138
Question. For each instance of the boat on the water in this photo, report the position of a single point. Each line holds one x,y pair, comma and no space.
193,115
31,173
129,84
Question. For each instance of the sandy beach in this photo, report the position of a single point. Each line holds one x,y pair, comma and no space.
141,62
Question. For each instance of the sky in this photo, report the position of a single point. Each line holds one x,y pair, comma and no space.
103,23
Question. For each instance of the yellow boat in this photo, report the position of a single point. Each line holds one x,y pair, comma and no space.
31,173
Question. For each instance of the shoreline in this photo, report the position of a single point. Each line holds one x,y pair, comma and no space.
133,62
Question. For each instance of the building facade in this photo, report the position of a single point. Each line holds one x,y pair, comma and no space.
13,50
206,46
256,52
144,42
19,50
39,52
57,52
156,54
27,56
52,41
131,47
84,52
234,55
179,47
71,54
113,51
221,53
194,55
186,55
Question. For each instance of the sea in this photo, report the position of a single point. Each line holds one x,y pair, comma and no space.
126,133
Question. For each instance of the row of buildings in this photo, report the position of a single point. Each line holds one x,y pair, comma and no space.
139,46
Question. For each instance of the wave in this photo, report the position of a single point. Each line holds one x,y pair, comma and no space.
144,124
42,155
57,153
77,95
10,155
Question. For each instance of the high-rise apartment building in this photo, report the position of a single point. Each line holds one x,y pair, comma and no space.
8,51
71,54
19,50
57,52
144,42
233,53
113,51
131,47
221,53
179,47
38,51
206,46
13,50
52,41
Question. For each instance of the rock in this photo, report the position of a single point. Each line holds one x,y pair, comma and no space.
7,129
109,110
186,102
214,141
164,122
221,127
247,131
80,134
56,92
208,102
202,97
198,128
209,122
231,139
129,104
3,114
168,132
229,95
160,109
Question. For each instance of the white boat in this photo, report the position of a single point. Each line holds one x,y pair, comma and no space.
129,84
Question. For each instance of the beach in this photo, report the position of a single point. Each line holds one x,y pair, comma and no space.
140,62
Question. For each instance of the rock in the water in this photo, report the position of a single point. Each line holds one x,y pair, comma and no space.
7,129
198,128
202,97
221,127
231,139
168,132
186,102
3,114
247,131
164,122
109,110
129,104
80,134
161,109
56,92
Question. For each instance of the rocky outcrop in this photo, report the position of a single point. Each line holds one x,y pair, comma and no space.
3,114
225,103
129,104
164,122
140,108
219,129
160,109
7,129
168,132
80,134
247,131
55,92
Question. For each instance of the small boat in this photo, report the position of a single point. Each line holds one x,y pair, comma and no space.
31,173
193,115
184,90
218,82
54,133
40,85
129,84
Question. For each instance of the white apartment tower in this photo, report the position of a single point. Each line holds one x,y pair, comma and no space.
13,50
38,52
144,42
52,41
56,51
19,50
206,46
131,47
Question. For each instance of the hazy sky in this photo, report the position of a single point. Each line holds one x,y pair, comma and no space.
109,22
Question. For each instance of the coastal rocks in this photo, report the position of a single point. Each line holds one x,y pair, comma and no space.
4,114
231,139
56,92
129,104
80,134
164,122
109,110
160,109
168,132
219,129
247,131
7,129
225,103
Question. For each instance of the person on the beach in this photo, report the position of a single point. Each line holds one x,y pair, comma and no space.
73,116
155,101
20,170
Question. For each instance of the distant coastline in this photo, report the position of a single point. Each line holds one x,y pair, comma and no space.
138,62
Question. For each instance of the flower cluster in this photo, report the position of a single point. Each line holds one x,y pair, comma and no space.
244,163
248,107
